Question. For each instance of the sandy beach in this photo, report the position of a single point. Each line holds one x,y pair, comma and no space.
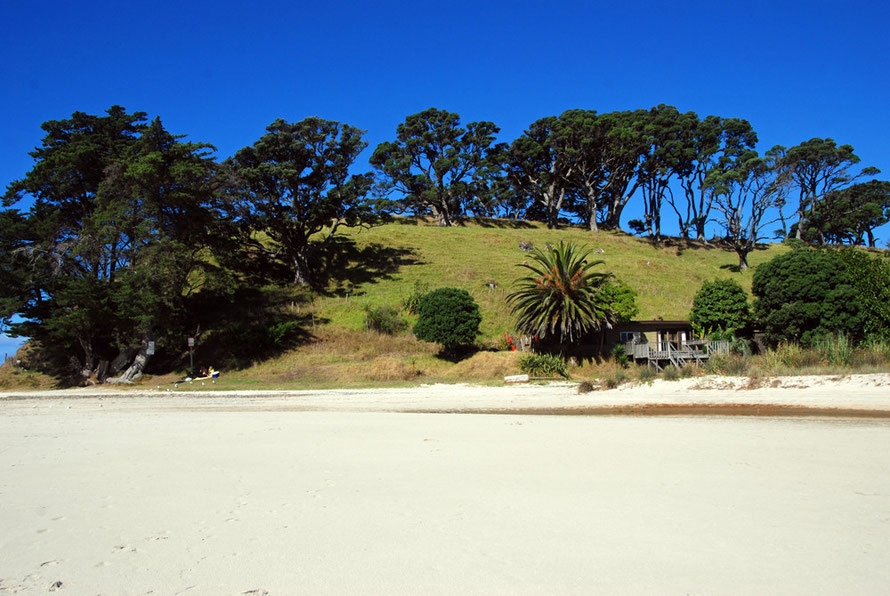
429,490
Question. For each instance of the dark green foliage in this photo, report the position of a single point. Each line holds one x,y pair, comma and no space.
805,295
619,354
449,317
720,305
384,319
562,298
815,168
870,278
544,365
744,190
849,215
293,183
441,168
622,301
122,218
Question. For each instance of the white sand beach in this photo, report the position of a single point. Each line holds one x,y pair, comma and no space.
379,491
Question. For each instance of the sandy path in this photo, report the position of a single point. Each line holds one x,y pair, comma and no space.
228,495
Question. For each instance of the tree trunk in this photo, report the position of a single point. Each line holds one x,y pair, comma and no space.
300,263
743,259
134,371
87,364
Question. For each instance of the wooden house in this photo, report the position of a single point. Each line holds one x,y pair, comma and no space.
659,343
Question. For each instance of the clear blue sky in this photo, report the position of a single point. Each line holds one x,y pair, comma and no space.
221,71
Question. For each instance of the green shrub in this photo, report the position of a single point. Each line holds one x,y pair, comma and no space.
805,295
384,319
449,317
720,304
544,365
412,303
620,355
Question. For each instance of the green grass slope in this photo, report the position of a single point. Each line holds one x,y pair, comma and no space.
477,254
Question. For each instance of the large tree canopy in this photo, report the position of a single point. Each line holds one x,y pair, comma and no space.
744,191
850,215
121,212
294,182
815,168
439,167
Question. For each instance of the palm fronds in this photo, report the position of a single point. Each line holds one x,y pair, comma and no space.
561,296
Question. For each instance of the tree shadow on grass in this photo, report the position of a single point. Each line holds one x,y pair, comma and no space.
459,354
344,266
238,327
492,222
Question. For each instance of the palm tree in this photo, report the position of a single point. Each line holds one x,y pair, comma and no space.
561,298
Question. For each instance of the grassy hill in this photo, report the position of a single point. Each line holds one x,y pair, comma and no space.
383,264
477,254
480,257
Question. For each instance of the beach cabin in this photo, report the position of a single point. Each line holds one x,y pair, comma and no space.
658,343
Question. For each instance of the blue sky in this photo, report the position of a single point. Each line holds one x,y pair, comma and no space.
221,71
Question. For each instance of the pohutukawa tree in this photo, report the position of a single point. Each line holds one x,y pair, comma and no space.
439,167
562,298
540,169
294,182
816,167
745,191
703,144
850,214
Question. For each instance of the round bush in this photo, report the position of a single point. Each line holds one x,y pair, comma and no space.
720,305
449,317
805,295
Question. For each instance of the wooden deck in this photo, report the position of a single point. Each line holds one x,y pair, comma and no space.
693,352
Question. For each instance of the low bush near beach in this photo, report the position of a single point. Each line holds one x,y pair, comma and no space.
728,364
586,387
384,319
544,365
671,373
619,377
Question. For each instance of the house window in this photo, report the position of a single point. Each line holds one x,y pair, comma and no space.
626,336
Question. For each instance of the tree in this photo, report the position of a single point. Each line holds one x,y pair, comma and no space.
816,167
744,190
804,295
562,298
703,145
449,317
294,182
622,300
664,135
850,215
540,169
870,278
605,150
721,304
112,241
440,167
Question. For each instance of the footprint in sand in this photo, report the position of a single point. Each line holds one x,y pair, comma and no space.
124,548
49,563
